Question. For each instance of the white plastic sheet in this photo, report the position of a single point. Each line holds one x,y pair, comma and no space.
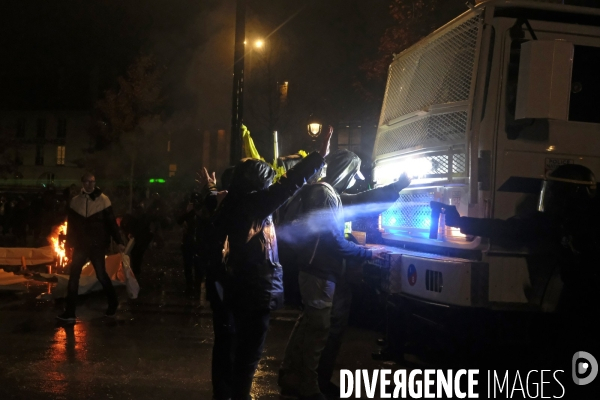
88,281
10,281
33,256
133,288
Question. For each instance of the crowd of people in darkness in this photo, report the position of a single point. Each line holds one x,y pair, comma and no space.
26,218
307,207
245,276
229,242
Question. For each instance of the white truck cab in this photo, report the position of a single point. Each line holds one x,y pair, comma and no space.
478,112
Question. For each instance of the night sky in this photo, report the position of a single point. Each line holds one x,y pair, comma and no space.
64,54
61,54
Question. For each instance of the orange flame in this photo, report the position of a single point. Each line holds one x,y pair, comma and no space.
58,245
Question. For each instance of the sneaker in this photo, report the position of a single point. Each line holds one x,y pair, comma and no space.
67,317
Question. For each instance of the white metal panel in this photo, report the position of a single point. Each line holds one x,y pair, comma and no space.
544,79
508,277
456,278
537,146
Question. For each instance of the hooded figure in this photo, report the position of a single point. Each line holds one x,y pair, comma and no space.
252,280
322,202
226,177
342,170
250,232
313,222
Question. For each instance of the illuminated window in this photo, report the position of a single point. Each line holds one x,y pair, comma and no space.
168,146
60,155
172,169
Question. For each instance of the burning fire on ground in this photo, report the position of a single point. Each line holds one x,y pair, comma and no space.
58,239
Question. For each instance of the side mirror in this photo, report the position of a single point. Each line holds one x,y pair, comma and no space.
544,84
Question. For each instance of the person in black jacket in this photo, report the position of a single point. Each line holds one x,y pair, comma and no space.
251,283
565,225
223,326
314,227
561,236
90,225
194,246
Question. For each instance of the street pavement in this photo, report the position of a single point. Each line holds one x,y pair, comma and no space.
159,347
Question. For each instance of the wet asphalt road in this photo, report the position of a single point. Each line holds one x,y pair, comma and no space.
159,347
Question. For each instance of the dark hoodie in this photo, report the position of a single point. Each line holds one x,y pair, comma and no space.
313,221
91,221
244,217
341,167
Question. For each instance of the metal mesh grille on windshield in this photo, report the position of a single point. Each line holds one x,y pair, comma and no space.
437,72
433,129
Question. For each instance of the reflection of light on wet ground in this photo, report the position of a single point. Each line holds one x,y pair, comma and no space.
63,362
261,385
69,344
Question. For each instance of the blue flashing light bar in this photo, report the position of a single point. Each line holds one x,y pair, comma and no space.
417,217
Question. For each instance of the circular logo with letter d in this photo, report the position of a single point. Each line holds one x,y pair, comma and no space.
585,368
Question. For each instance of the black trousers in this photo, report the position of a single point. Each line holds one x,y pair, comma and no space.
222,354
80,257
137,253
240,335
194,265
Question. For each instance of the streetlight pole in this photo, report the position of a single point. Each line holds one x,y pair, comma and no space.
237,105
261,45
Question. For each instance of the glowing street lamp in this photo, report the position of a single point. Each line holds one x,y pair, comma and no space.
314,129
259,43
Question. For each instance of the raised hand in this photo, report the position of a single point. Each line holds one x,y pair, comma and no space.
212,180
402,182
203,178
326,141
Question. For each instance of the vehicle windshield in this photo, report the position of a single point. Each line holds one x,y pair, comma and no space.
585,85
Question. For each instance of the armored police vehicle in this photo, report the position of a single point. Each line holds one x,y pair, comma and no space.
478,113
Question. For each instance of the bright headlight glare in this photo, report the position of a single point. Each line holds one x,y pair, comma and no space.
414,168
